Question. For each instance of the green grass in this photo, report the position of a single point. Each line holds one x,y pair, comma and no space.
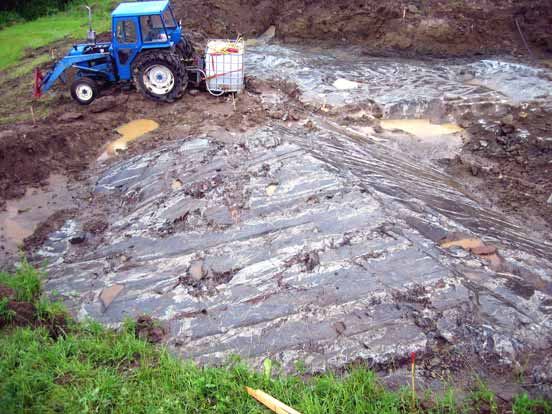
97,370
524,405
45,30
92,369
6,313
26,282
8,18
26,67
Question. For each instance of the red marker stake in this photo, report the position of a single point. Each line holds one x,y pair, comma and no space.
413,359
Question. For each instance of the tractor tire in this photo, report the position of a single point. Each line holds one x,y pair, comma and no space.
185,48
160,75
84,90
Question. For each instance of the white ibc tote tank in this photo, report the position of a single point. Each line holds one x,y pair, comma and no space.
224,71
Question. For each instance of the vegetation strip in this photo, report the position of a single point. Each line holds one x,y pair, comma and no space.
50,363
45,30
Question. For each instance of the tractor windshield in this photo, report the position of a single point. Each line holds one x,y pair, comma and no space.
152,29
168,18
126,32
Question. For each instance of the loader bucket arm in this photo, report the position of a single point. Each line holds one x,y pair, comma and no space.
44,83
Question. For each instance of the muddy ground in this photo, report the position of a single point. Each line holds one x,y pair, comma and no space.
263,245
434,27
508,161
505,171
68,140
215,224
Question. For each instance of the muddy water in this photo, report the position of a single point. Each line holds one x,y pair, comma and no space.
422,128
21,216
129,132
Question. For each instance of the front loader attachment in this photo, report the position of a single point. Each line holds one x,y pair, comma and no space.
75,59
43,83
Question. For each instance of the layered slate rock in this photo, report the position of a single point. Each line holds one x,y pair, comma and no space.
338,261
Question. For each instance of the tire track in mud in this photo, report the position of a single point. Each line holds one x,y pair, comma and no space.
383,169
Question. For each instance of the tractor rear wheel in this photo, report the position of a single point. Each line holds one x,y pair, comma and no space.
185,48
84,90
159,75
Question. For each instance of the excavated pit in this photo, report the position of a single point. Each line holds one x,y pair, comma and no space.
320,241
328,268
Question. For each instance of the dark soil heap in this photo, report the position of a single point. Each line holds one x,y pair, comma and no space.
516,172
23,313
434,27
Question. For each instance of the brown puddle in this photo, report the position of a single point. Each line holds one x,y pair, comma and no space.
129,132
466,244
421,128
478,247
23,215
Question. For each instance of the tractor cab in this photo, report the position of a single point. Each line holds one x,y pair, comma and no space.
139,26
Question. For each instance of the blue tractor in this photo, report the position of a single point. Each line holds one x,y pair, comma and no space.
148,49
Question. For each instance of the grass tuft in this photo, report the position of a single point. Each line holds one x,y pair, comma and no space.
26,282
6,314
525,405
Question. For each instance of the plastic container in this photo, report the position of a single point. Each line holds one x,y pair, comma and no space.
224,71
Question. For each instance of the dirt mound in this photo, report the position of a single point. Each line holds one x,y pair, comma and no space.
15,313
6,292
431,27
149,329
508,160
23,313
30,153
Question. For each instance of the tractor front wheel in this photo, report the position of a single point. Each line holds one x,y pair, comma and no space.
84,90
159,75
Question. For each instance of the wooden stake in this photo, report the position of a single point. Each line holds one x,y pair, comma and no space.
267,400
33,115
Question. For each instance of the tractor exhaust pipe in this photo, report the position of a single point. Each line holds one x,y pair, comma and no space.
91,35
